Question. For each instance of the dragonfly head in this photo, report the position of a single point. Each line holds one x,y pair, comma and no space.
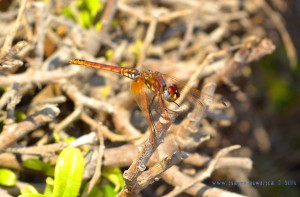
171,93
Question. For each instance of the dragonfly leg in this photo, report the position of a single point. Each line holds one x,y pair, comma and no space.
156,109
151,115
162,106
166,108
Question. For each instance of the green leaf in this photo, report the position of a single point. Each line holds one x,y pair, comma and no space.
7,177
56,137
30,191
68,173
38,165
98,25
106,190
20,116
69,139
88,10
115,176
33,164
109,53
94,6
31,195
85,19
109,190
49,186
136,48
67,12
96,192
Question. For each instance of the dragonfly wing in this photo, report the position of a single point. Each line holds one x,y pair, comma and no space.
150,103
143,96
189,93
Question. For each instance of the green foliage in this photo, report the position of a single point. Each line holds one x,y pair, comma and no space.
31,195
20,116
136,48
106,190
111,188
69,139
49,186
30,191
35,164
115,176
57,138
282,94
68,173
109,53
7,177
87,16
279,94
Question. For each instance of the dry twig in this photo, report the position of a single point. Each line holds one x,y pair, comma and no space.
13,132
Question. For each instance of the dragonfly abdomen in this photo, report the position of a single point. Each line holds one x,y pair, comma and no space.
127,72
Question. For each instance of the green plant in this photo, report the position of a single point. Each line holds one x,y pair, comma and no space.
67,175
87,15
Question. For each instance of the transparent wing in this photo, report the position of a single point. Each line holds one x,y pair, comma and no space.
152,105
143,97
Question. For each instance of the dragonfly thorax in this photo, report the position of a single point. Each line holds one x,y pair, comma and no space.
171,93
156,82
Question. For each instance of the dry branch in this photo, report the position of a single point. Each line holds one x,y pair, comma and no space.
13,132
41,77
203,175
9,39
205,43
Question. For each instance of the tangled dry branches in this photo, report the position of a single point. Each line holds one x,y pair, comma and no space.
206,43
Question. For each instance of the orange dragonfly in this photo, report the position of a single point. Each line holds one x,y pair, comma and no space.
154,92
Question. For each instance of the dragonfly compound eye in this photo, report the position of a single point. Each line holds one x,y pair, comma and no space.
172,93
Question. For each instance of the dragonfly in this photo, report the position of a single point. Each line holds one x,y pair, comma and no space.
153,91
